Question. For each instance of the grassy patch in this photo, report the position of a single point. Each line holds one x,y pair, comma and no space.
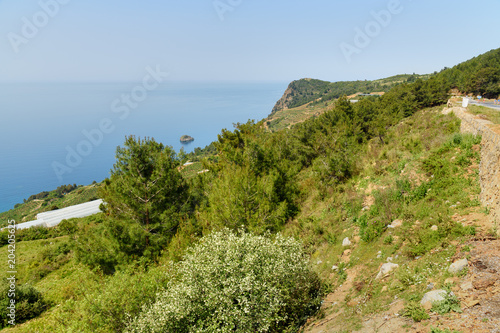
191,170
489,114
285,118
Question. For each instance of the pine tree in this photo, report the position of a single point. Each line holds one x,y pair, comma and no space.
146,192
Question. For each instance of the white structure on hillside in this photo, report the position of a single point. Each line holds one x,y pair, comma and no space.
54,217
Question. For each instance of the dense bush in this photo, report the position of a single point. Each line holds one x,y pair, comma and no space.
236,283
36,232
29,303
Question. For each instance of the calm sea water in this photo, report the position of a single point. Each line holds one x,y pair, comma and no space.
66,133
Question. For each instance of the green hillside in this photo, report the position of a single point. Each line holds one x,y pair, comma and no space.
304,91
62,197
257,241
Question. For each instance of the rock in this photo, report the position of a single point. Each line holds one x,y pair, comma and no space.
346,252
484,282
458,266
389,259
396,223
385,269
466,285
470,302
384,289
434,228
430,286
346,242
432,297
335,267
186,138
319,262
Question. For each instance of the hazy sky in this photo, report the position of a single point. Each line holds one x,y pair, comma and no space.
278,40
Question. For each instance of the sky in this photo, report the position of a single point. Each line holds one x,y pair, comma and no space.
239,40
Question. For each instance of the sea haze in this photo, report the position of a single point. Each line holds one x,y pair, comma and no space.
40,122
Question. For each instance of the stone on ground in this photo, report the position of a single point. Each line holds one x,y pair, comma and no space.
458,266
385,269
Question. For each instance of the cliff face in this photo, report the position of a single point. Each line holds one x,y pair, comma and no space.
286,99
300,92
489,169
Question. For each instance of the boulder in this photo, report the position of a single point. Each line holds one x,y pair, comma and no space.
434,228
432,297
396,223
385,269
458,266
346,242
335,267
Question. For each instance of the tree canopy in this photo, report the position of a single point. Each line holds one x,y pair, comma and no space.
144,199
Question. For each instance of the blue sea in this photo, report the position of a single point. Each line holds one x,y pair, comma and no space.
67,133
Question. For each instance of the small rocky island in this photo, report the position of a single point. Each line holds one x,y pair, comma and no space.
186,138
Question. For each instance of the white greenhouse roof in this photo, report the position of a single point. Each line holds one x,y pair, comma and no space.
54,217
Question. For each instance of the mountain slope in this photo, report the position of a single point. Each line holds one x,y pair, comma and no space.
303,91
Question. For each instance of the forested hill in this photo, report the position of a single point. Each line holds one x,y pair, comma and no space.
303,91
479,75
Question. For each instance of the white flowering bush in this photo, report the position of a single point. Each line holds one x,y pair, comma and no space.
236,283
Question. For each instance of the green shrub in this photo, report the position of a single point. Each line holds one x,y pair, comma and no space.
415,311
4,237
29,303
34,233
236,283
450,303
388,240
368,229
